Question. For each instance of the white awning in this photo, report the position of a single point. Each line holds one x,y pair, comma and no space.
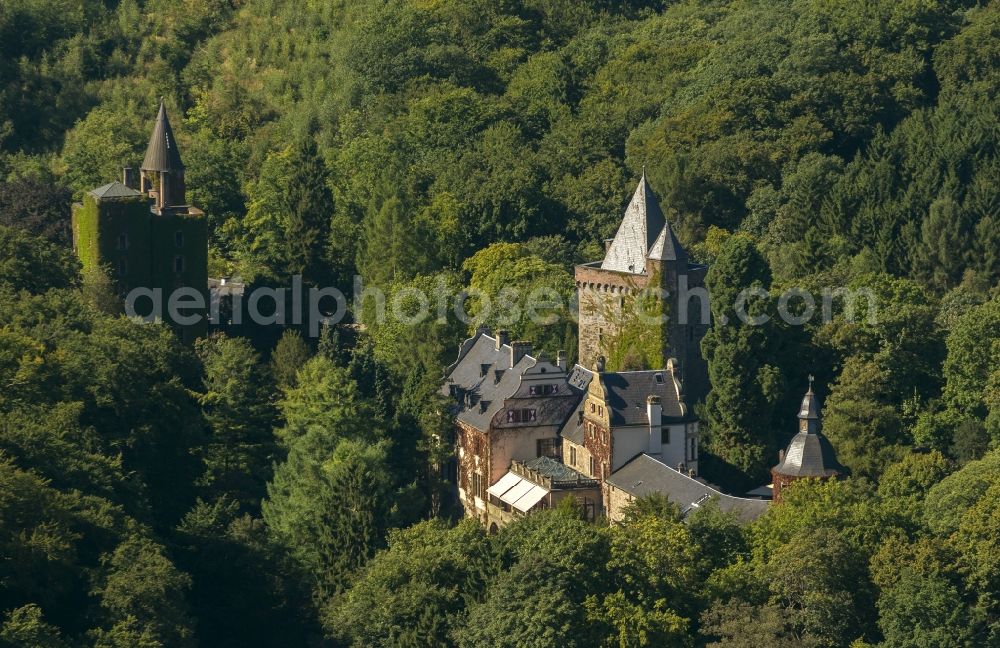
517,491
503,485
529,499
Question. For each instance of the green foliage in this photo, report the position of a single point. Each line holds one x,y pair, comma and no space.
237,406
289,355
25,627
37,206
512,289
828,144
309,206
143,593
414,593
948,500
33,264
745,386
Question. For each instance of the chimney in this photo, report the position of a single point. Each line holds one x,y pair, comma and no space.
781,456
503,337
561,360
518,350
599,365
654,413
128,177
607,244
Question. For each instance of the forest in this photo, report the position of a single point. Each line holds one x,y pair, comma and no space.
284,490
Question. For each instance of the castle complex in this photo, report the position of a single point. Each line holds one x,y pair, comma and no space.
531,430
144,234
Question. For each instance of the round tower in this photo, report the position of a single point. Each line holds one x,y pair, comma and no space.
809,455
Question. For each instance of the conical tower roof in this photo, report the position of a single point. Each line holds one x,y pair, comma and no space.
642,224
162,153
667,247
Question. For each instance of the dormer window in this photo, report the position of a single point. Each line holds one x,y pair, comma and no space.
525,415
659,378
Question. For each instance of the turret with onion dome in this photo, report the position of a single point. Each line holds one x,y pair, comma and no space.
809,454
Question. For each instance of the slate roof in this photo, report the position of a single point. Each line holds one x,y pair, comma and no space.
641,225
809,409
483,377
667,247
646,474
162,153
573,428
627,392
810,453
113,190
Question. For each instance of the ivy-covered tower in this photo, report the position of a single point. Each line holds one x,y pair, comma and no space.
144,234
643,256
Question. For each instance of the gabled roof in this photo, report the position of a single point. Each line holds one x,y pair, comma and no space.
626,392
641,225
162,153
645,475
113,190
482,379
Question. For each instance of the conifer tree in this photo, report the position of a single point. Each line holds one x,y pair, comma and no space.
745,386
310,208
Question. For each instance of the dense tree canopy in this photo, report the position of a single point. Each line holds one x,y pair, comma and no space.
239,492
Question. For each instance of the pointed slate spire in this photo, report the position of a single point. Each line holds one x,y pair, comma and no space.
162,153
667,247
637,234
809,410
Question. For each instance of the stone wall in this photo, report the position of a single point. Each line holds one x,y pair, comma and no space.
600,294
616,501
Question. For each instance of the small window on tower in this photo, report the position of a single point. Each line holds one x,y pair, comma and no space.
122,267
123,241
179,239
178,264
665,436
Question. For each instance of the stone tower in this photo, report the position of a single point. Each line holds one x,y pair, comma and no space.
142,232
809,454
645,254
